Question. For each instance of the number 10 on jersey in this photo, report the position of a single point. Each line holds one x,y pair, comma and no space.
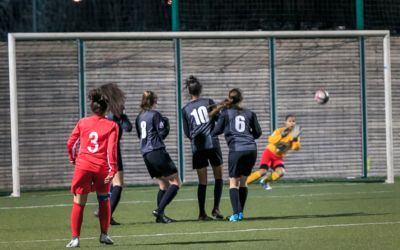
200,115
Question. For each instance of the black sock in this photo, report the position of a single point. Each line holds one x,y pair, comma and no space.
243,196
201,198
217,192
235,201
167,197
115,197
160,194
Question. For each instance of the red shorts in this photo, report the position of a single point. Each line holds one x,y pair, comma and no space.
84,182
270,160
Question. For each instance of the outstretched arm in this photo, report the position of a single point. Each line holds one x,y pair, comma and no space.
215,108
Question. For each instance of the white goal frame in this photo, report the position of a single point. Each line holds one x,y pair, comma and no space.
13,37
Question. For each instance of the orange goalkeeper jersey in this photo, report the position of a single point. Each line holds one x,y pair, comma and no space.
276,140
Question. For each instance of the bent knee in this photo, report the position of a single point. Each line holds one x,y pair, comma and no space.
177,183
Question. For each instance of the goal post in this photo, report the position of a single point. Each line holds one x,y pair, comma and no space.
13,37
388,108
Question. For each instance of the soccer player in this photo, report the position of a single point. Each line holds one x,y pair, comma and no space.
116,102
95,165
152,129
240,127
197,126
279,143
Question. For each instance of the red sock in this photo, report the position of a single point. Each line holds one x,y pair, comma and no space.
104,215
76,219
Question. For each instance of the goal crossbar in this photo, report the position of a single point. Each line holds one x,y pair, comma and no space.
13,37
197,35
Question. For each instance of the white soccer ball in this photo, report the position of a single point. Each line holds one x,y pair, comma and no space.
321,96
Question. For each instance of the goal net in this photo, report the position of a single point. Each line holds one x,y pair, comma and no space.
278,72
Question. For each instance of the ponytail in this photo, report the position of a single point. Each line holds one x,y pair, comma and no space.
235,96
149,98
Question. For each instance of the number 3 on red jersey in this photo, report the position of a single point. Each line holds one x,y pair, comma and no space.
94,137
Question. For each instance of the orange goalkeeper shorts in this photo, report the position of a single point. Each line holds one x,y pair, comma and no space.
270,160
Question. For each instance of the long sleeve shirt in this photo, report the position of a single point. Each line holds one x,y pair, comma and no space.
240,128
152,129
276,141
198,126
98,138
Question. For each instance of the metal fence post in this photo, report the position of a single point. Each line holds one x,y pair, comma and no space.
363,80
175,27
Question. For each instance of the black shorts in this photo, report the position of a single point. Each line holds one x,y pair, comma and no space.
159,164
120,165
201,158
241,162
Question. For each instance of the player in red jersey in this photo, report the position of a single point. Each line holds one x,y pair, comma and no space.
116,105
95,165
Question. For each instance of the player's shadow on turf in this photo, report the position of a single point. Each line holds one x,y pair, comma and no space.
204,242
310,216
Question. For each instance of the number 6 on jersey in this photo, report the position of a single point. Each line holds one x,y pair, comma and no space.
240,124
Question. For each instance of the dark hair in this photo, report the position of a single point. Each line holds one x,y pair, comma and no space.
289,116
235,96
115,97
98,102
193,85
149,98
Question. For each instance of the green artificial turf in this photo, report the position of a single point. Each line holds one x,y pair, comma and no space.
290,216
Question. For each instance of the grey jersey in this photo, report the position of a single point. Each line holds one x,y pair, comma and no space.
240,128
198,126
124,125
151,129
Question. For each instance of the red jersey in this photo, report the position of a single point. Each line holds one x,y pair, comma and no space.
98,138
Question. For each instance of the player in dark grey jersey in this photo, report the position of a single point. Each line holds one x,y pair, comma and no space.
116,102
241,128
197,126
152,129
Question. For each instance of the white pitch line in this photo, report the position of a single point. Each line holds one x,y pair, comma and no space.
220,232
194,199
310,185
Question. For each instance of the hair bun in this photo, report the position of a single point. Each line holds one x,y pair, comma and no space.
193,85
99,103
95,95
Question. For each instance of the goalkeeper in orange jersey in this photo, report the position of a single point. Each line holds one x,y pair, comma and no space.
279,143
